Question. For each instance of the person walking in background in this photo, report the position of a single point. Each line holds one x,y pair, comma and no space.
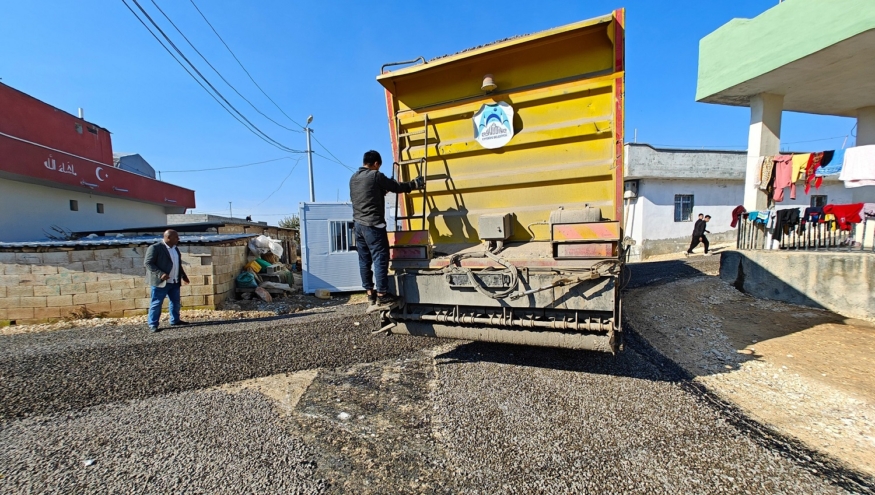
367,192
699,231
165,275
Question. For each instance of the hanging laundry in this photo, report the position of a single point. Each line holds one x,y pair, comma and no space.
762,216
845,215
766,170
783,172
785,220
813,214
869,209
832,167
799,164
736,215
859,166
737,212
813,164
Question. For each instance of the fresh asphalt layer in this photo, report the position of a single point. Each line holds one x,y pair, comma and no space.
122,410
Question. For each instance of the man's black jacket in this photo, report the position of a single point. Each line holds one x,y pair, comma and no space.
367,191
699,228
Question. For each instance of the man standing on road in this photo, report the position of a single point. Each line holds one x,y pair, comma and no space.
165,275
699,234
367,191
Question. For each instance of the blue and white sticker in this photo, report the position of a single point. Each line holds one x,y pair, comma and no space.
493,125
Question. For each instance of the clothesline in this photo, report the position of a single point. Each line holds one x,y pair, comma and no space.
855,167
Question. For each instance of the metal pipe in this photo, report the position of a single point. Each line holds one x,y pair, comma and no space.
588,325
310,160
606,342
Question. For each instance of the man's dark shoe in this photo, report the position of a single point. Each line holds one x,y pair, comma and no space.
372,302
154,329
180,323
384,303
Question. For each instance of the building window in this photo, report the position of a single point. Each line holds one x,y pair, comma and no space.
74,205
342,236
818,201
99,207
683,207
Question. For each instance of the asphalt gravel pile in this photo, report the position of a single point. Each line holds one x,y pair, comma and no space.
526,420
191,442
73,369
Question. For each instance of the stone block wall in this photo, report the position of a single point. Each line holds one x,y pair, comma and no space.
44,286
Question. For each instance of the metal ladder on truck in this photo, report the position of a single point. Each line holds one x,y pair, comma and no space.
421,169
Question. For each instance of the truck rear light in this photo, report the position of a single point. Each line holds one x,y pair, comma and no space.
408,253
585,250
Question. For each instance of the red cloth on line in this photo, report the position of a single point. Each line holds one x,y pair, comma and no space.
813,163
735,214
845,214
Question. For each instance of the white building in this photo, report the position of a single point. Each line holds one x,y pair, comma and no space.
675,185
329,259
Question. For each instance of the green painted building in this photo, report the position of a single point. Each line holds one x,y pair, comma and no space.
810,56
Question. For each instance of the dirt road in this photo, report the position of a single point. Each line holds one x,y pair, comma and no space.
312,403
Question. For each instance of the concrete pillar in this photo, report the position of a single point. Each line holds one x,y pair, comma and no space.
865,126
764,139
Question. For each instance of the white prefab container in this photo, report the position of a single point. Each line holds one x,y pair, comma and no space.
328,254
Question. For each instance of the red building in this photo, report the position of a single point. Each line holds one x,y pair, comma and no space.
56,170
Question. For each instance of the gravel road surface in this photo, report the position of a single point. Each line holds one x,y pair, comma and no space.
90,411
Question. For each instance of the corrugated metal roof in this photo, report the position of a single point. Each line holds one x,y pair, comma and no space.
124,241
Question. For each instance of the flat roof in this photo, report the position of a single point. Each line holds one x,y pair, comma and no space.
123,241
817,54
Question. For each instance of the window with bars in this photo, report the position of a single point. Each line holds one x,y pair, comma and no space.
683,207
342,236
818,200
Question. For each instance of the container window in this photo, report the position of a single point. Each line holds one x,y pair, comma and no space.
342,236
99,207
74,205
818,200
683,207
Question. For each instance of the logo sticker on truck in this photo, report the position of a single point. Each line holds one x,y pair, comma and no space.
493,125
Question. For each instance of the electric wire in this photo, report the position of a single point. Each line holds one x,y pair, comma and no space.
745,146
216,70
241,65
336,160
253,128
281,183
225,168
188,71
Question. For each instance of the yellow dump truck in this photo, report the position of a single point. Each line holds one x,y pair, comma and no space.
517,236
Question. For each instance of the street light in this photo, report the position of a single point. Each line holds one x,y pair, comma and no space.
310,159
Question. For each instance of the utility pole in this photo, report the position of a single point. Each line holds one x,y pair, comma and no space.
230,211
310,159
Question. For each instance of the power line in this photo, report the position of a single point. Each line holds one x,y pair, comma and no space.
241,65
224,168
281,183
336,160
745,146
216,70
253,128
186,69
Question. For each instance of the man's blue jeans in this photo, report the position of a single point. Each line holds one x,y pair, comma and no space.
372,244
170,291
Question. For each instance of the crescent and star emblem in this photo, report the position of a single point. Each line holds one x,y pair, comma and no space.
97,173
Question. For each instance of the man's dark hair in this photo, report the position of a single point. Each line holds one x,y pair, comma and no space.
707,216
371,158
700,215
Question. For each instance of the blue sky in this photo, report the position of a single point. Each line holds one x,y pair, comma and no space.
321,58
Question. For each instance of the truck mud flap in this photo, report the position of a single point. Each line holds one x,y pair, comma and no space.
603,342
